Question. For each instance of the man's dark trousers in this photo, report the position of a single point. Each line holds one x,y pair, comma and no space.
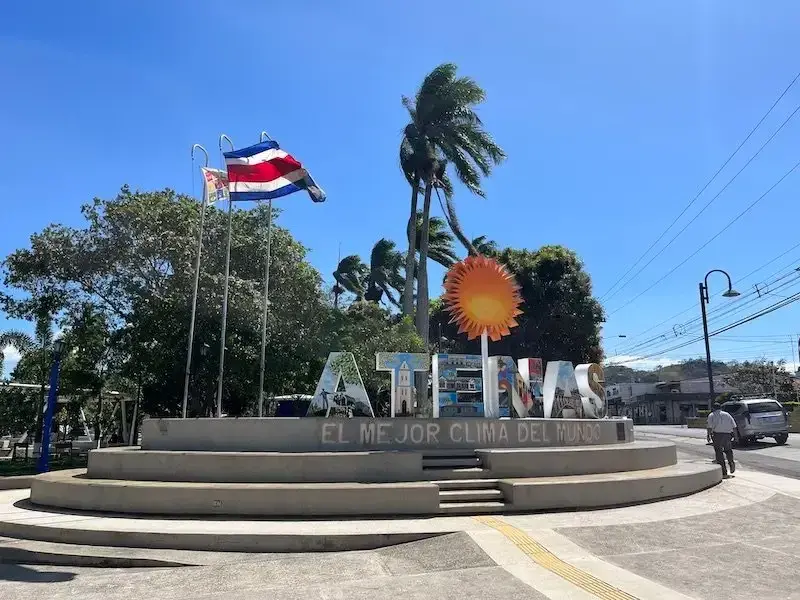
723,444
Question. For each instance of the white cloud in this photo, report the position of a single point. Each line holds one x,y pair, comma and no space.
11,359
650,364
636,362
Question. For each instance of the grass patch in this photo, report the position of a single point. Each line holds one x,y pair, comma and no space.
28,466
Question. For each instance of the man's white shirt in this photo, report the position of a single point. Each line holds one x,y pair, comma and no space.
721,422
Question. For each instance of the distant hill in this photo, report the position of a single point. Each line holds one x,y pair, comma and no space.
688,369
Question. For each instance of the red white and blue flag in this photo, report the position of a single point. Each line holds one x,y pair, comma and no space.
264,171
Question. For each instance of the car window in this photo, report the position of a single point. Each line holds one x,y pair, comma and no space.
733,408
762,407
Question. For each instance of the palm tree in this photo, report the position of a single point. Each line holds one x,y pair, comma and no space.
350,274
440,242
337,291
384,276
443,127
411,168
19,340
485,246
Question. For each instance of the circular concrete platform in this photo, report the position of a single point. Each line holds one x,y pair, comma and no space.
373,467
72,490
20,519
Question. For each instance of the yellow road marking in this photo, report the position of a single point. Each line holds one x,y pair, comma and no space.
544,558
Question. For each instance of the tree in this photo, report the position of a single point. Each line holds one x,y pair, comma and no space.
443,127
762,377
560,321
485,246
440,242
384,276
19,340
350,274
17,410
693,368
365,328
133,261
124,280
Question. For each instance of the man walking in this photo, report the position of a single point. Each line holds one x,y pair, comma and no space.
720,430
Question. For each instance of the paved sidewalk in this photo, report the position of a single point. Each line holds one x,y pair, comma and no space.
735,540
763,455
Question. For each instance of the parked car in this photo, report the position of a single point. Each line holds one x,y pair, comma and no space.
758,418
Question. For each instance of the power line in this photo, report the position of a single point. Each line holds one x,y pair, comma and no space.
695,327
707,204
714,237
765,311
693,306
713,177
719,312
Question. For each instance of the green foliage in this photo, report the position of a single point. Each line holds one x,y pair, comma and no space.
381,279
444,132
364,329
440,242
19,340
17,410
762,377
560,321
485,246
694,368
124,284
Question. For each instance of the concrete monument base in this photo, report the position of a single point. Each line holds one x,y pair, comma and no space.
373,467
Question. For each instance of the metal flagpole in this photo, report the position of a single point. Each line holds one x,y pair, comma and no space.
196,285
224,294
487,403
265,304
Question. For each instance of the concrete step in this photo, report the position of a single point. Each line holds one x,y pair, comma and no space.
463,473
451,462
429,453
466,484
484,495
30,552
471,508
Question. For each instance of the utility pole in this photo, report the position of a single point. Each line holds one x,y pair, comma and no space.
774,386
704,299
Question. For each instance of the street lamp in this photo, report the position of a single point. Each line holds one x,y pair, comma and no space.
704,299
52,397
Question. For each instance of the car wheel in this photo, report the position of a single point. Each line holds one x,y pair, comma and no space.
781,438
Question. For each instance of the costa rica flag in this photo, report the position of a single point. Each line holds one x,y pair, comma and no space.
264,171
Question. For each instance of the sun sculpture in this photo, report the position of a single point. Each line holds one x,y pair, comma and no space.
482,297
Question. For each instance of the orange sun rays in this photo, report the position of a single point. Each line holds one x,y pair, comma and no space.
481,295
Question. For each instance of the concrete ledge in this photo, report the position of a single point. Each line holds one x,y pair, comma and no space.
254,467
611,489
548,462
71,490
358,434
17,482
217,542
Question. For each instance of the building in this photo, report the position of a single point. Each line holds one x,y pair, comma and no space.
663,402
405,389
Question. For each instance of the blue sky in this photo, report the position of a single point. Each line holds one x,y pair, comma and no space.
613,116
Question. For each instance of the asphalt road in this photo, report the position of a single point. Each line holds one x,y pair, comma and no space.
764,455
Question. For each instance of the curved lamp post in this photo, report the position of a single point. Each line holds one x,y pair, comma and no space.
52,397
704,299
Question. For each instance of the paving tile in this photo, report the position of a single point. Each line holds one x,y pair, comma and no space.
727,571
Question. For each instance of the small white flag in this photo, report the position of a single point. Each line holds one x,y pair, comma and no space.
216,185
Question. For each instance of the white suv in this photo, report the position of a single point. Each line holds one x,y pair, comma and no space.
758,418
